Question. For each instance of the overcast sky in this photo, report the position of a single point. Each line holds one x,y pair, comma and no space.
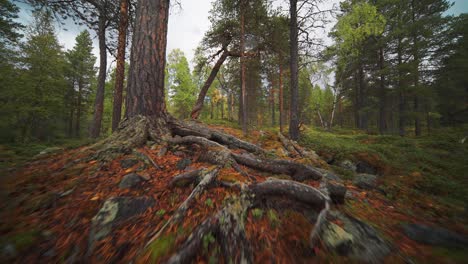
186,26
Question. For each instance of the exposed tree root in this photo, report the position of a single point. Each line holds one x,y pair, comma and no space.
218,154
194,129
228,225
132,133
297,171
296,150
208,176
213,152
146,159
186,178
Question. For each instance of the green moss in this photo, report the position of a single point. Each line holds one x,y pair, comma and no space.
161,212
455,255
209,202
439,157
207,240
160,247
273,218
22,240
257,213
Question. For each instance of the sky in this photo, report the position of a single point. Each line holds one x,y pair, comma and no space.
187,25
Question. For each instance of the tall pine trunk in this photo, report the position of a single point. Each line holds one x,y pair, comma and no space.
294,67
78,109
95,130
196,110
242,64
382,94
145,93
401,98
120,70
280,98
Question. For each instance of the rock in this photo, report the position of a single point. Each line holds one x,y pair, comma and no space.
356,239
9,250
435,236
130,180
328,175
179,153
334,237
365,181
128,163
114,211
364,167
347,164
183,163
162,152
50,253
336,191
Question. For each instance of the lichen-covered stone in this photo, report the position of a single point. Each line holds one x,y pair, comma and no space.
130,181
114,211
365,181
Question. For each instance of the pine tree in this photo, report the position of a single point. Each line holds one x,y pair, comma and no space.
81,72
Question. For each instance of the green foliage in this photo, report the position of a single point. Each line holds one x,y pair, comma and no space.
207,240
160,247
439,157
8,26
273,218
209,202
161,212
257,213
34,106
181,88
22,240
361,22
80,75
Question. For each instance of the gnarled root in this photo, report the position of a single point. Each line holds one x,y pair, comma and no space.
208,177
219,154
228,224
194,129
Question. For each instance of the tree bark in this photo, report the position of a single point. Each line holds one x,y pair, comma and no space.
78,108
294,66
95,130
201,96
120,70
242,64
417,121
145,95
273,117
281,105
383,95
401,103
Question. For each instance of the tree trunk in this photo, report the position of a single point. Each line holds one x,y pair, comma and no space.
242,64
357,116
78,109
95,130
273,117
361,98
201,96
120,70
401,103
417,121
294,66
332,116
281,106
145,95
70,120
383,95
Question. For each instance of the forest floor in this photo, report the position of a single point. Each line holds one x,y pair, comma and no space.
47,206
